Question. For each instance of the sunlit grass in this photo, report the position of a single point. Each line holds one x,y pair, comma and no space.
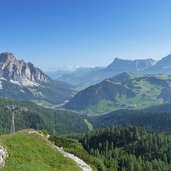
34,153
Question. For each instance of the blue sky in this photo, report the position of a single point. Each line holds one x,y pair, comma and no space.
52,33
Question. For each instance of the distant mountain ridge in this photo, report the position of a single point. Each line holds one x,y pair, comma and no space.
82,80
162,66
121,65
82,77
21,80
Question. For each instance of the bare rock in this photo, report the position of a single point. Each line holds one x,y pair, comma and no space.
3,156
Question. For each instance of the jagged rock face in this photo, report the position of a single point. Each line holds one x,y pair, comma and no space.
18,70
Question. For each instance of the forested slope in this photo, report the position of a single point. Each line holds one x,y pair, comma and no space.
33,116
130,149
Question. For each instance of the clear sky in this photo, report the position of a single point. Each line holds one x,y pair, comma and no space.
52,33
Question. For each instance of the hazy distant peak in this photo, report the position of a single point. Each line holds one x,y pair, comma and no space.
168,57
117,59
148,59
163,65
131,65
133,60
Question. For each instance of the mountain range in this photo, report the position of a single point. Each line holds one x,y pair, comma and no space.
107,91
21,80
123,91
84,77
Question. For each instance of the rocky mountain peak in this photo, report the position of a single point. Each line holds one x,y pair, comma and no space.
19,71
6,56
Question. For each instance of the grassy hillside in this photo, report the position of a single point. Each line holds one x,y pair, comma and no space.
124,91
32,152
55,121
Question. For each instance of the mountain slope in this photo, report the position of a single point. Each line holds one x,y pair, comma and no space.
143,118
123,91
30,151
130,149
21,80
162,66
36,117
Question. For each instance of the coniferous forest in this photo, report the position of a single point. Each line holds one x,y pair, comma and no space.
129,149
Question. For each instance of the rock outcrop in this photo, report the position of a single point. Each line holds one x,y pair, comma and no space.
3,156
